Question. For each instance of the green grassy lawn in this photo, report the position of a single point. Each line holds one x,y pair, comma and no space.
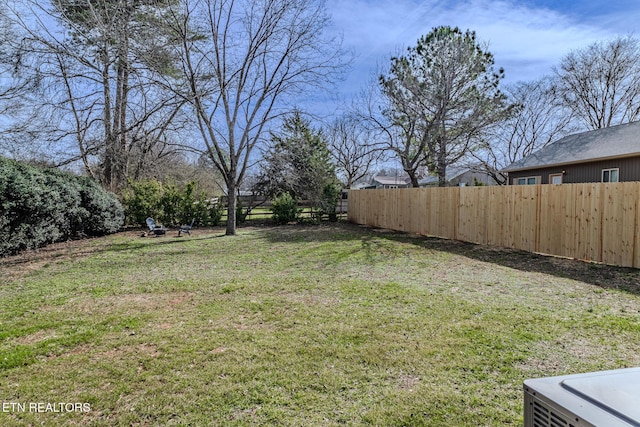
299,326
265,214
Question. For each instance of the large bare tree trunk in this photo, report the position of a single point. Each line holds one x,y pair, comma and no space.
231,208
247,57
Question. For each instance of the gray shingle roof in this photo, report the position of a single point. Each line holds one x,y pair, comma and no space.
452,173
611,142
391,180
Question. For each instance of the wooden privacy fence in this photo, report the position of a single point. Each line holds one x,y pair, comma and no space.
593,221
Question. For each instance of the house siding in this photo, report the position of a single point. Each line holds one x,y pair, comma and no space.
585,172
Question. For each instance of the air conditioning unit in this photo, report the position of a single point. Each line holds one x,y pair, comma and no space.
596,399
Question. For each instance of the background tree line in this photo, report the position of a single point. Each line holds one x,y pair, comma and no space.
123,90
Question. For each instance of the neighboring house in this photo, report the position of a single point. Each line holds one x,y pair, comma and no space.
603,155
456,176
471,177
460,177
391,181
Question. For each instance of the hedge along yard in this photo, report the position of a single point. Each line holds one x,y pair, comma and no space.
299,325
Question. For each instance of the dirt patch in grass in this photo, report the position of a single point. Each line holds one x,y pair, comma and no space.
125,352
79,350
125,303
309,299
36,337
408,382
556,357
17,266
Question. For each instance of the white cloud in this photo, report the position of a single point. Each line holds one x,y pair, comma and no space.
375,28
525,40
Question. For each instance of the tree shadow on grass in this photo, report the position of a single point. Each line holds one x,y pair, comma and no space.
162,241
605,276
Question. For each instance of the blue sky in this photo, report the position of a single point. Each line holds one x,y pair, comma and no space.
527,37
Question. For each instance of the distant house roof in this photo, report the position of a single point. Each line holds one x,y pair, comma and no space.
428,180
599,144
391,180
452,173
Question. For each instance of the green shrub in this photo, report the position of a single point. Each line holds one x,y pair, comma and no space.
329,201
40,206
104,209
285,209
193,205
142,199
215,209
166,203
170,205
25,209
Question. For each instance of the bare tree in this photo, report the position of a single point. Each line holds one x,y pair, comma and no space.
352,148
240,60
537,119
96,80
393,123
15,88
600,84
